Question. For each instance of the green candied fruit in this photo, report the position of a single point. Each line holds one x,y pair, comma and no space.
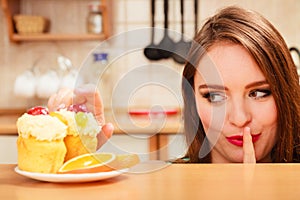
81,119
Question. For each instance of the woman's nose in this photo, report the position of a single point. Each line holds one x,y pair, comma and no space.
239,114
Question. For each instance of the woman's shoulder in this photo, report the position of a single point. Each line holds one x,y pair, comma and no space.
182,160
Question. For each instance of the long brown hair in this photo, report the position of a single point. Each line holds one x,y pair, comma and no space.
268,48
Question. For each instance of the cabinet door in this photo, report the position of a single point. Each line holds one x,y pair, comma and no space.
8,149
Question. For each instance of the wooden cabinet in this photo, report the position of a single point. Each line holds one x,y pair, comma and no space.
8,149
12,7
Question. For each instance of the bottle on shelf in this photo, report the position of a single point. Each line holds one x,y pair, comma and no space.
94,18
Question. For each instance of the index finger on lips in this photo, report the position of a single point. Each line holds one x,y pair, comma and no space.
248,147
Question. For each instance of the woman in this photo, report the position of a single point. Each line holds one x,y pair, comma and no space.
240,89
250,111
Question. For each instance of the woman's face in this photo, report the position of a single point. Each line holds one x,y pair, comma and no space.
232,93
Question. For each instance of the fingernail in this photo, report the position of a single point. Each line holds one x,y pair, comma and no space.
61,106
110,125
247,129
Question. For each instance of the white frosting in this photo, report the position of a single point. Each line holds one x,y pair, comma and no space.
42,127
92,128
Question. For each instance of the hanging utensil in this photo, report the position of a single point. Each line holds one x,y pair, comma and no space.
296,58
166,45
196,15
297,53
192,43
150,51
181,47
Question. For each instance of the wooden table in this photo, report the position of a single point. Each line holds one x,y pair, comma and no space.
176,181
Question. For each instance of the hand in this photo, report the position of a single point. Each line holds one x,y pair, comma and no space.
88,95
249,153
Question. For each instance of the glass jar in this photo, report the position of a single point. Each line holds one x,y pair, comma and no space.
94,19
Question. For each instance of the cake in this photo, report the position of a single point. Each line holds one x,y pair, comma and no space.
46,140
40,143
82,132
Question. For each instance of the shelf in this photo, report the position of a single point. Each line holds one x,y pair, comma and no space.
56,37
12,7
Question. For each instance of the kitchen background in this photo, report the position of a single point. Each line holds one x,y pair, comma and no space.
69,16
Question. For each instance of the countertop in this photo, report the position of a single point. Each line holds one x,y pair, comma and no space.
156,126
175,181
122,121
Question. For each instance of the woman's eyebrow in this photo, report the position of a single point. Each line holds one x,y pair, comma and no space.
222,87
212,86
257,83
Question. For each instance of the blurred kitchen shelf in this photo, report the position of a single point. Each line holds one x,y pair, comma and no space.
55,37
12,7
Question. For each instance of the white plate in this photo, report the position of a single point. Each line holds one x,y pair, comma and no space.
70,178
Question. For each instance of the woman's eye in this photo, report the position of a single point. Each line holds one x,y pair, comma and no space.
213,97
260,93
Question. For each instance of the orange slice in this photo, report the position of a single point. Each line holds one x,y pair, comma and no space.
98,162
89,163
123,161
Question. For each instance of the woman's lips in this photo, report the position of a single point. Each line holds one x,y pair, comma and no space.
238,139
